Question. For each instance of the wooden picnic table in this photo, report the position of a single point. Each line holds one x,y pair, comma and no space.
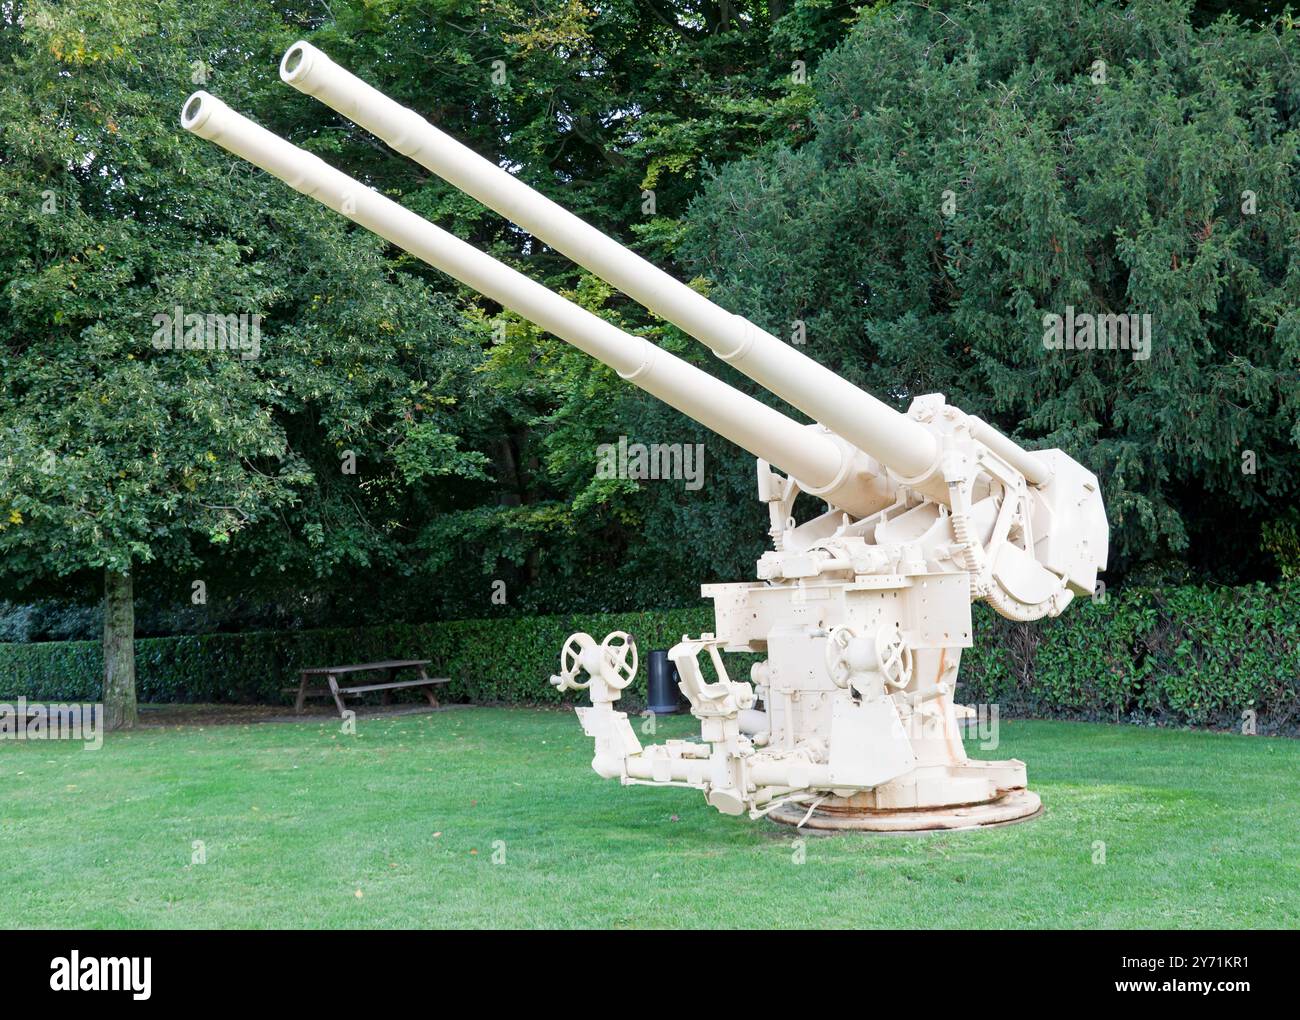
388,667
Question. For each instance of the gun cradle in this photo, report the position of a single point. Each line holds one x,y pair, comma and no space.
850,720
852,708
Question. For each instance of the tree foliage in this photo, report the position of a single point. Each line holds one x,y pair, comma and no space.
595,105
118,458
826,157
978,166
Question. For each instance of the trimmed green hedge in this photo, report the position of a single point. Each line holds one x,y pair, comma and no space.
1178,655
1196,656
506,660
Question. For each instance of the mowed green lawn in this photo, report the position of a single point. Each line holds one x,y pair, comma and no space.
492,817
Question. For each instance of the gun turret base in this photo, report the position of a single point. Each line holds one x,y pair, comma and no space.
839,815
836,814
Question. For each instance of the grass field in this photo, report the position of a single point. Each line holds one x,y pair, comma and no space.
399,826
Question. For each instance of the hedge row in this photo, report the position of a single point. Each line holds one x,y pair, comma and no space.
1195,656
1176,655
508,660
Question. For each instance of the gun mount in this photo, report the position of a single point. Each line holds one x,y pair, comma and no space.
862,611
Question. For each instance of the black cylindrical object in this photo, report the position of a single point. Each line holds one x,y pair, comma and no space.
662,694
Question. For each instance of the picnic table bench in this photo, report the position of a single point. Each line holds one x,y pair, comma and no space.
388,668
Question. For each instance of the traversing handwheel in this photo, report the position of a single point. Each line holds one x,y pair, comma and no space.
621,658
571,664
894,657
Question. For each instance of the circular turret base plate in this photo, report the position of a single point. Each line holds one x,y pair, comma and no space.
1013,806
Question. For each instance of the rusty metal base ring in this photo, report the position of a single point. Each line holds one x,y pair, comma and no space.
1014,806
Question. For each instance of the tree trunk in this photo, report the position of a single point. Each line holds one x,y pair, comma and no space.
119,652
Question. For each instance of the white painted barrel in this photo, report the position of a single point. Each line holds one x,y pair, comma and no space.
870,425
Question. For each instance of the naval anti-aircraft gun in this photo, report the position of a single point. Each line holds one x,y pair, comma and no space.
862,611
